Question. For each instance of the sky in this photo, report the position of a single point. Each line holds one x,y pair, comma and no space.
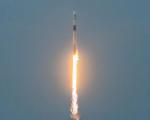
36,53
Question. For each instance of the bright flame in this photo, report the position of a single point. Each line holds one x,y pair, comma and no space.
74,102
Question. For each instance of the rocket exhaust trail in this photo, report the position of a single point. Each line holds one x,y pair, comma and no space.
74,112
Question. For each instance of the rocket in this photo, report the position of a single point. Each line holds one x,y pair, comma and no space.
74,33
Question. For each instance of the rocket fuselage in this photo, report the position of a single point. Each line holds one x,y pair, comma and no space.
74,33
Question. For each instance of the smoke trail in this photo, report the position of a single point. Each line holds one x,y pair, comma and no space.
74,112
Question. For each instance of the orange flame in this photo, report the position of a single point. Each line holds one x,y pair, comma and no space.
74,102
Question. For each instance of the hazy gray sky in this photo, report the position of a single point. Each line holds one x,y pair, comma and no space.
35,59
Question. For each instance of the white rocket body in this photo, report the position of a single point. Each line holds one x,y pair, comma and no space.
74,33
